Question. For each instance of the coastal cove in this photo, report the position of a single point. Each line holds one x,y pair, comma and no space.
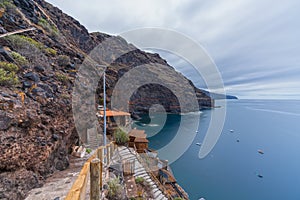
235,169
138,104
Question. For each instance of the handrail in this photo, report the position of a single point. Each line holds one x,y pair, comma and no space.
78,189
159,184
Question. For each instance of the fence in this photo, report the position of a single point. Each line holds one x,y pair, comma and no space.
95,165
128,166
153,177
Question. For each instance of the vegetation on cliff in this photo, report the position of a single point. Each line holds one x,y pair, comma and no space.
37,73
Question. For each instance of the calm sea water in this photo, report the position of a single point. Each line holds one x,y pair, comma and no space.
231,169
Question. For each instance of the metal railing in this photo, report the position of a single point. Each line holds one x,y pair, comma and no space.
153,177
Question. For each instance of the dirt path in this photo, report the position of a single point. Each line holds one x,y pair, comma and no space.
58,185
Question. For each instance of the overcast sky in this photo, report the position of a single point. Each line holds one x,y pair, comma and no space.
255,44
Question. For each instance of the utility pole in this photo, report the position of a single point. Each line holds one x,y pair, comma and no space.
104,109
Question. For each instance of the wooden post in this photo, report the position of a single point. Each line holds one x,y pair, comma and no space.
111,150
100,157
112,147
107,154
101,173
78,190
100,154
95,179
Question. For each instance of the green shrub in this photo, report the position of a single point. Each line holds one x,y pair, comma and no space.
8,75
7,4
88,150
139,180
50,51
33,42
24,42
21,60
121,137
114,189
21,41
8,78
42,22
101,101
33,50
48,27
61,77
63,60
9,67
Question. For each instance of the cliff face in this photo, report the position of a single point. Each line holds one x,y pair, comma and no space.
37,73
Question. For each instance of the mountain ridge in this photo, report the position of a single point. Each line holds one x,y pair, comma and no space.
38,69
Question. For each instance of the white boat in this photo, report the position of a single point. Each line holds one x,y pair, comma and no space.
231,131
199,144
260,151
260,176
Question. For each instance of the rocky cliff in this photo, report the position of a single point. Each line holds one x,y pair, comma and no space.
37,73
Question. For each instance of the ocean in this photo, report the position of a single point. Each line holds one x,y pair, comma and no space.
234,169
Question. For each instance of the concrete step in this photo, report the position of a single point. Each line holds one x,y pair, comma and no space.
151,183
159,196
164,198
156,193
127,154
124,152
140,169
147,178
155,190
141,174
128,157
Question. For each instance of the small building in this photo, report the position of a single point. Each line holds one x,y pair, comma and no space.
141,144
116,118
138,139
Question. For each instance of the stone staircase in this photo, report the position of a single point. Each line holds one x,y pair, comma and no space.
140,171
93,138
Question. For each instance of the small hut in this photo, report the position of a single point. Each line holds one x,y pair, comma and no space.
116,118
141,144
138,139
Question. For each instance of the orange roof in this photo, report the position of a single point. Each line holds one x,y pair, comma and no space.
114,113
137,133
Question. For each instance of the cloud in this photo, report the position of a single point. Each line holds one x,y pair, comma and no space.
255,44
